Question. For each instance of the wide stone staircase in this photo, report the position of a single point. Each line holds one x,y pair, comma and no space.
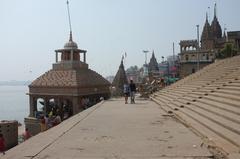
208,102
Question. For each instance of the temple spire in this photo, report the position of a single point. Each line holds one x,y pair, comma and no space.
215,10
69,20
206,17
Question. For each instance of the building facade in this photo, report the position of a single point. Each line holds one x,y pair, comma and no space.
194,56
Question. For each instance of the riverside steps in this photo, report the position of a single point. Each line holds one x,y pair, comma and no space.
114,130
209,102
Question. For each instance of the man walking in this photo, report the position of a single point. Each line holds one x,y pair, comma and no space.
132,91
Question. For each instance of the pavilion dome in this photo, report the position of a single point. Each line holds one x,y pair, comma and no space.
81,78
70,44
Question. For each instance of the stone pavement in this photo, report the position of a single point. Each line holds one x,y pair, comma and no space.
112,129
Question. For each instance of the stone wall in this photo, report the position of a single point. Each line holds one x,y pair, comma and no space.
189,68
33,125
9,129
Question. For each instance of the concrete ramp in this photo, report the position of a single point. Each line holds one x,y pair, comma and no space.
116,130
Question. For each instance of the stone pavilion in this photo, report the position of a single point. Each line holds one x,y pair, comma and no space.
65,86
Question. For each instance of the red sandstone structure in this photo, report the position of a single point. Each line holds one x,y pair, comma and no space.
65,86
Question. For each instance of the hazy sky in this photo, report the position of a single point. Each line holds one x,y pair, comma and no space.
30,31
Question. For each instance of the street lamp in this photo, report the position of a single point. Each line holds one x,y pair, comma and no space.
145,52
197,47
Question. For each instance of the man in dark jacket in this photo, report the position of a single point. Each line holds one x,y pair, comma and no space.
132,91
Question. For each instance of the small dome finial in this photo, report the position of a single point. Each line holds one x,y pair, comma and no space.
70,37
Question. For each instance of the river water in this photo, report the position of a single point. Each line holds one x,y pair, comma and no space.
14,103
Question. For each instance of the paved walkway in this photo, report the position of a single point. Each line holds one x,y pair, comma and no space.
116,130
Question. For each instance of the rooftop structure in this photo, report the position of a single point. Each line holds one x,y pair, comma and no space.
66,84
119,80
153,65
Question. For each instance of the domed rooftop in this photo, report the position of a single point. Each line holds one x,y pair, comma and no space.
70,44
84,78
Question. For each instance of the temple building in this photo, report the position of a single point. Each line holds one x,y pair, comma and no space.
153,65
64,87
194,56
119,80
153,68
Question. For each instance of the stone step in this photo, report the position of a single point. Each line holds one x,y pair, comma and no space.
210,124
169,96
227,96
162,100
180,91
219,105
235,84
217,108
224,101
164,97
228,115
163,106
176,95
229,87
212,114
226,91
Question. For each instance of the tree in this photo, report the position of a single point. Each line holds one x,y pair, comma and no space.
227,51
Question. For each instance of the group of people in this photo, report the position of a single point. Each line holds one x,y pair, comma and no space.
26,135
85,102
48,121
129,90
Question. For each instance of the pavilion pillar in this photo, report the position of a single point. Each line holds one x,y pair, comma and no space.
56,56
71,55
45,106
84,57
75,105
60,107
32,106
